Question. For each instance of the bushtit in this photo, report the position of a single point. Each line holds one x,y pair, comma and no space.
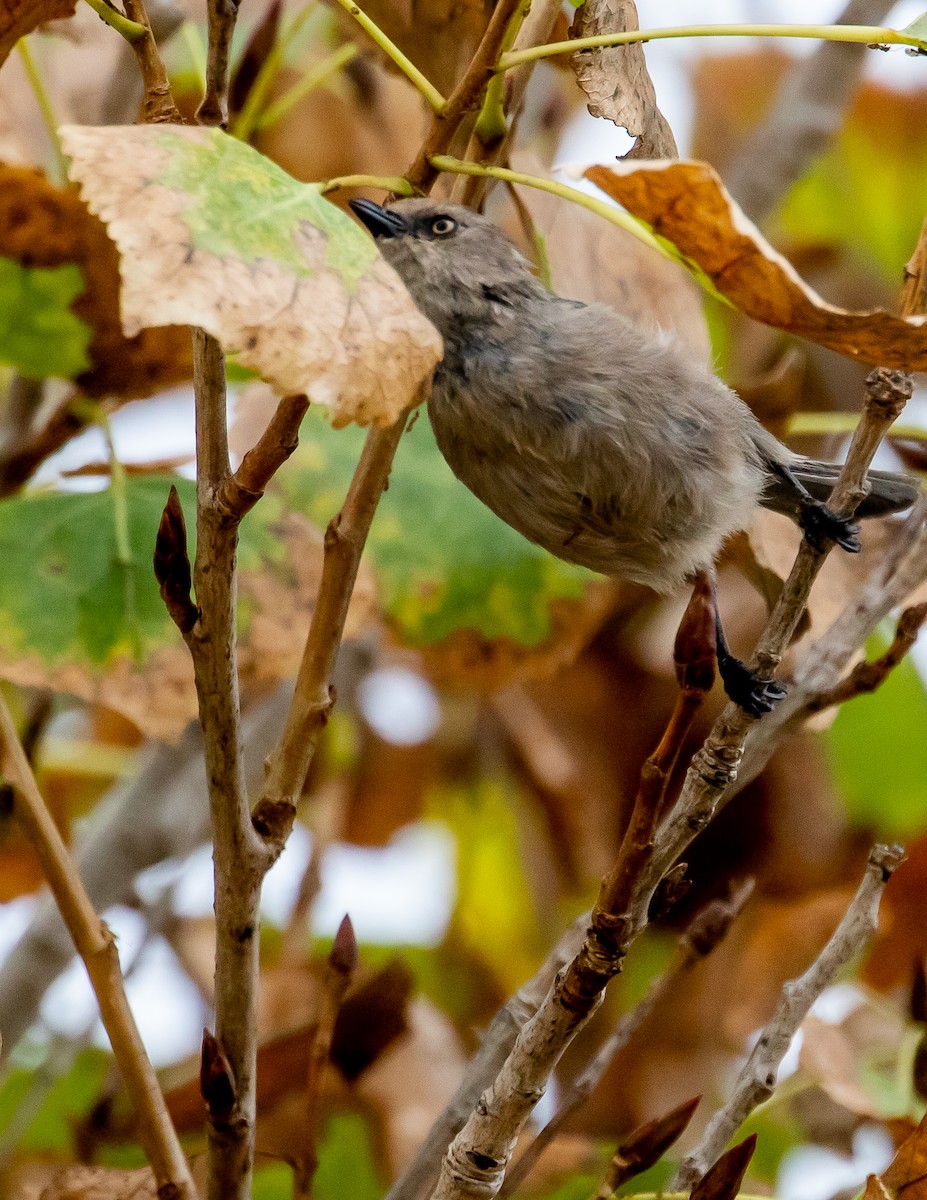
608,445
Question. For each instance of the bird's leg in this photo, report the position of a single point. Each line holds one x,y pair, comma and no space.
753,694
816,521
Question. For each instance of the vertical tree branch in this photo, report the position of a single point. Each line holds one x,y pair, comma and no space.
94,943
214,108
159,106
240,858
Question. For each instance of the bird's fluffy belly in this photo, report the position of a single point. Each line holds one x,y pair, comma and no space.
550,505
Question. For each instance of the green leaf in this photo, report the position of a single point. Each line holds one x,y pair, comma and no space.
878,748
64,595
346,1170
68,1100
443,561
39,334
917,28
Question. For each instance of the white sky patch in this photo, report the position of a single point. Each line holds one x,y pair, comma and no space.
399,705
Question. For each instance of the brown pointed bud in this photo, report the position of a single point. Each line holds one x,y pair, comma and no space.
723,1180
918,1003
172,565
343,955
670,890
694,649
649,1142
919,1068
217,1082
711,924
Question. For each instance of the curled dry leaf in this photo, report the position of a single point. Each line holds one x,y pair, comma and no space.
686,202
615,79
19,17
906,1175
211,233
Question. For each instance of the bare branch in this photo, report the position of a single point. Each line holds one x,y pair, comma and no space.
159,106
808,112
241,491
705,932
96,947
214,107
757,1079
420,1176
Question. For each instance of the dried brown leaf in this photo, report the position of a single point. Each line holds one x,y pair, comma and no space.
906,1175
101,1183
687,203
45,226
615,79
19,17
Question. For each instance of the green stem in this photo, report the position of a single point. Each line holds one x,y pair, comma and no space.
617,216
117,478
49,119
867,34
312,79
193,41
130,30
828,422
387,183
408,68
490,124
246,121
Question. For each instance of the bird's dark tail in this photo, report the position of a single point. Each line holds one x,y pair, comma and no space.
889,491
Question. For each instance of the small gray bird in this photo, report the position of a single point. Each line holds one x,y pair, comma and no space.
608,445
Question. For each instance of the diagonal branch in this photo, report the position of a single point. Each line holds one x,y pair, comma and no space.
757,1079
95,945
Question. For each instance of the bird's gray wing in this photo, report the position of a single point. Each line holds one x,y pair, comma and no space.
890,492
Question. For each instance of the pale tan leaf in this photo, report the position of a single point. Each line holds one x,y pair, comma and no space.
101,1183
210,233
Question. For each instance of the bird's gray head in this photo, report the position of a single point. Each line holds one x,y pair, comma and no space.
452,260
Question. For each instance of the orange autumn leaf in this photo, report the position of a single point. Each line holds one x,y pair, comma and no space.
686,203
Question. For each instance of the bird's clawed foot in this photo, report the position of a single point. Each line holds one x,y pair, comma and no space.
754,695
820,525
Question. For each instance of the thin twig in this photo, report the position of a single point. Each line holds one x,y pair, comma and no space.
866,677
221,18
705,932
158,103
342,964
313,698
466,96
132,31
865,34
419,1176
95,945
475,1163
392,51
757,1079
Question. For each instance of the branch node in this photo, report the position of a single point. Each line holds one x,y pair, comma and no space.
888,391
669,891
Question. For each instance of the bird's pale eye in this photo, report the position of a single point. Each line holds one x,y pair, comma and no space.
442,226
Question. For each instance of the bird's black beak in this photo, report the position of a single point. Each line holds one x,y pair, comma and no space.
382,222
